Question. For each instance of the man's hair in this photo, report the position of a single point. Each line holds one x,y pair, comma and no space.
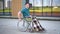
27,3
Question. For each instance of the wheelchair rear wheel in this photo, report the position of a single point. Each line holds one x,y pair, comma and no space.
22,25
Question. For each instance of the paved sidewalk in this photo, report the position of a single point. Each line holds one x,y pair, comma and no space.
8,26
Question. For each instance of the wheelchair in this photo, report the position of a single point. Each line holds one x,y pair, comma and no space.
28,24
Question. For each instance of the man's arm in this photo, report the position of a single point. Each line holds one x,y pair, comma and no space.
19,15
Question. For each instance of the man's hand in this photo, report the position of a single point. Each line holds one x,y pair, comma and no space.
20,19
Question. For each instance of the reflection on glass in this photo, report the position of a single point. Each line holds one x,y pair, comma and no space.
36,6
5,7
56,5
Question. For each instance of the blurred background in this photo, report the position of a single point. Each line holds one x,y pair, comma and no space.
42,8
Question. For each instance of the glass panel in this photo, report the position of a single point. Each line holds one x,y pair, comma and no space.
1,7
46,7
36,7
56,8
7,7
56,5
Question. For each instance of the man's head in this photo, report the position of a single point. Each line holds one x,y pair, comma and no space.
27,5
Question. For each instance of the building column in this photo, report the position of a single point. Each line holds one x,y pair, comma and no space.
15,7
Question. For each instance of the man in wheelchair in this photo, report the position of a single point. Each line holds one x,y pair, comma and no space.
24,11
26,14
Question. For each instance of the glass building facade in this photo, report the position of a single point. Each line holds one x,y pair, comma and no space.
50,8
44,8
